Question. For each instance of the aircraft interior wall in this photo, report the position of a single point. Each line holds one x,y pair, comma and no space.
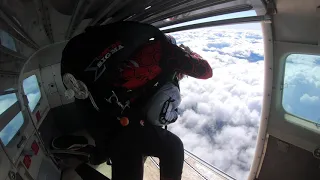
42,68
289,151
58,119
293,163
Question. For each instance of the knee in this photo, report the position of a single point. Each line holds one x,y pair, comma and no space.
179,144
172,160
176,147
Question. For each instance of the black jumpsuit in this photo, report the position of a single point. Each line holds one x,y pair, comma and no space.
127,146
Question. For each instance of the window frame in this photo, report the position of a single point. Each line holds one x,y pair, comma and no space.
288,116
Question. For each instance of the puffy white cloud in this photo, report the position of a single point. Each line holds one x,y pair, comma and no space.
219,117
236,43
306,98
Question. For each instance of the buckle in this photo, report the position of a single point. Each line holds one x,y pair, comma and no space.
114,99
114,95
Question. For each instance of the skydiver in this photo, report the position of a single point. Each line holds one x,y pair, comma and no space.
124,133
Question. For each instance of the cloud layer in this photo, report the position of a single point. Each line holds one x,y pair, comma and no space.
219,117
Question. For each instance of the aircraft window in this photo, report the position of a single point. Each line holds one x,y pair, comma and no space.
11,129
7,41
301,87
7,101
32,90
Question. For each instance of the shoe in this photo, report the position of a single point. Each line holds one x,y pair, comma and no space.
69,142
82,154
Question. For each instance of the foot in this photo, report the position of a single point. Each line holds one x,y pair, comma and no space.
69,142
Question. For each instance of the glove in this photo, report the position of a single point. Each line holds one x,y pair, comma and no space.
186,48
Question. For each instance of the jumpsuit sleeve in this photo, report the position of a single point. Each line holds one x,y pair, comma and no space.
191,64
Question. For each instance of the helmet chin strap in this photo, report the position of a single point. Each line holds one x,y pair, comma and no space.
77,89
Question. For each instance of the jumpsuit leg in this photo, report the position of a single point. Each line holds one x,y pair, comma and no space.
129,147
